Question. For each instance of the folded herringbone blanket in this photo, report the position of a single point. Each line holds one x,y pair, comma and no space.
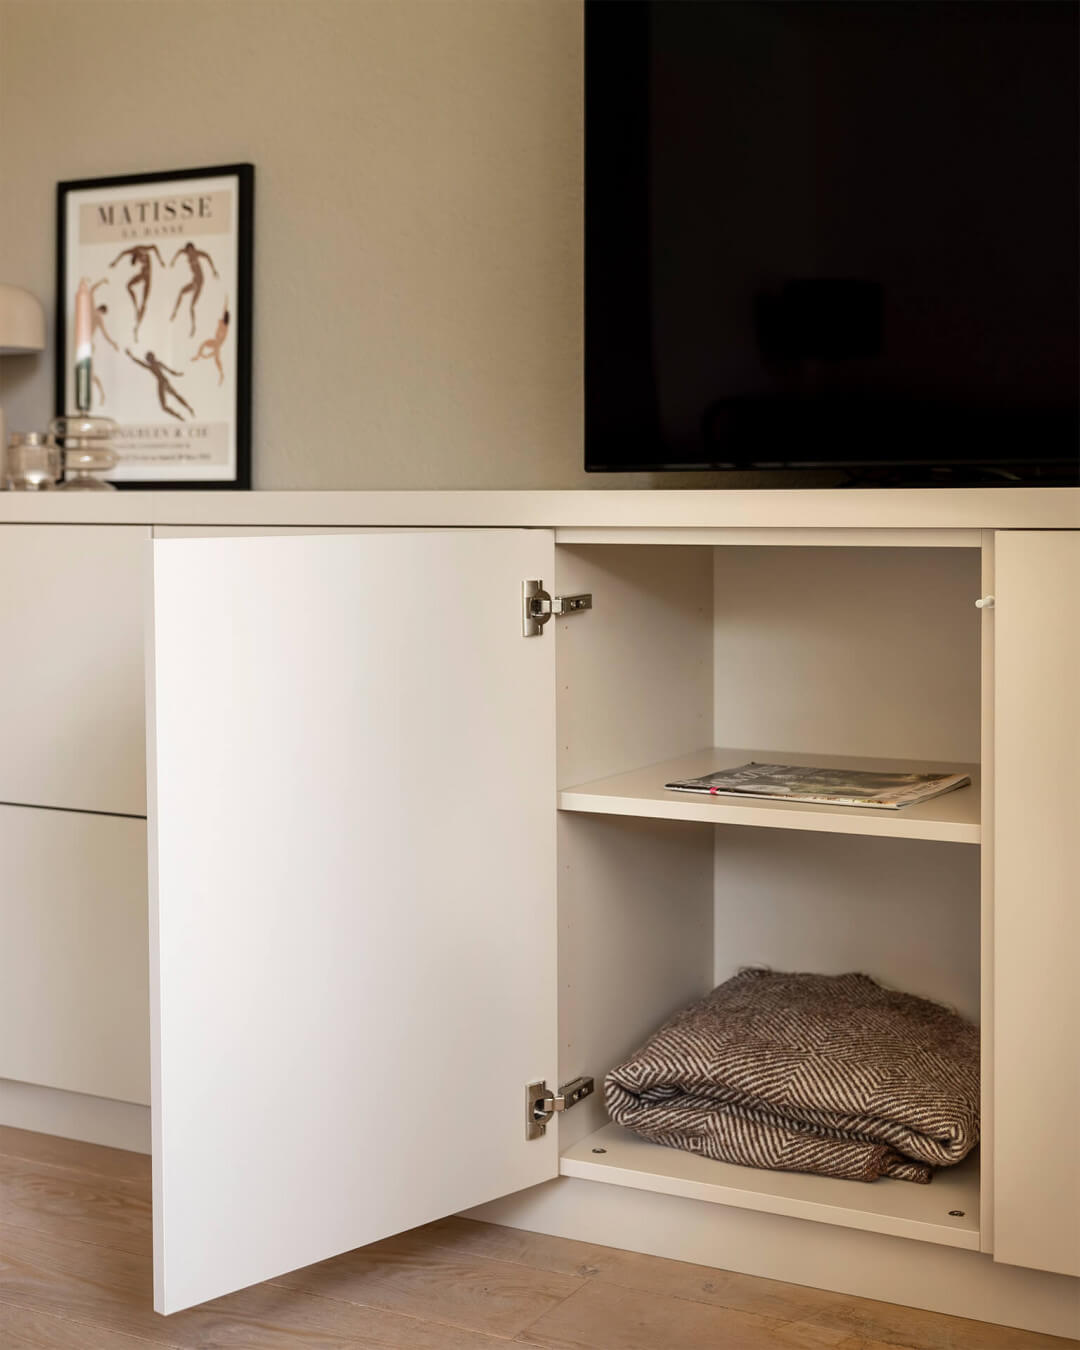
808,1073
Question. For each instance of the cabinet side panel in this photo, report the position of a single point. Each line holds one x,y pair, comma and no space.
635,672
1037,900
635,940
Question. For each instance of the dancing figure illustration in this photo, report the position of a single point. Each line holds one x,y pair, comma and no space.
99,321
212,346
100,388
141,260
195,285
161,372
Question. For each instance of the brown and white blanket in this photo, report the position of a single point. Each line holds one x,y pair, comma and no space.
808,1073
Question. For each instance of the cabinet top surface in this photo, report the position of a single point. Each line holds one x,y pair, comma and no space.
897,508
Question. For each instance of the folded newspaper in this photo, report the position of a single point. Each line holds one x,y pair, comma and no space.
832,787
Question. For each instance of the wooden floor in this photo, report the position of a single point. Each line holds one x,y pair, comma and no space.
75,1274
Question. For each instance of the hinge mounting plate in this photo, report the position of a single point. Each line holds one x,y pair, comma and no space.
541,1103
537,606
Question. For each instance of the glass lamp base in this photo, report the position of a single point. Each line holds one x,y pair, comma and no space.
88,452
85,482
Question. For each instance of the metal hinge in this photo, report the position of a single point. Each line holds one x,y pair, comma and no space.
537,606
541,1103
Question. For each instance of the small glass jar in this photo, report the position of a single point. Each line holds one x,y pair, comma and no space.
88,451
32,463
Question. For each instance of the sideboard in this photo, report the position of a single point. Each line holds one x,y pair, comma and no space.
334,839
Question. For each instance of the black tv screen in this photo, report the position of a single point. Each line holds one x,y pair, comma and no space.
834,234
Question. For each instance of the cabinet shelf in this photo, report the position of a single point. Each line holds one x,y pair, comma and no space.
952,817
899,1208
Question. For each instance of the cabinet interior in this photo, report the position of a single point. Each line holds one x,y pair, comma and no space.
845,652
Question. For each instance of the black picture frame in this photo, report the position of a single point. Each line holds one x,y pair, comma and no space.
244,174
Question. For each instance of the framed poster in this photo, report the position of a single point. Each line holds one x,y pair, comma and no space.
166,258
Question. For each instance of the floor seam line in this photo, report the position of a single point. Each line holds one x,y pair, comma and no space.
81,1241
70,1171
77,1171
554,1308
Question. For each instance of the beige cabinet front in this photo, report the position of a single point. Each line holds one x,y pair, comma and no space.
1036,861
71,670
74,1009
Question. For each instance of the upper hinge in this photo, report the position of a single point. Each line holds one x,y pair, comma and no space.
541,1103
537,606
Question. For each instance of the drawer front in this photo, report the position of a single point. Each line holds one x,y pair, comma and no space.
71,666
74,1009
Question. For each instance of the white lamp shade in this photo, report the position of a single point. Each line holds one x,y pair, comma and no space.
22,321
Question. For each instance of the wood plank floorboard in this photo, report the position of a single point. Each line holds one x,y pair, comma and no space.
82,1206
625,1319
76,1274
95,1159
114,1290
28,1329
410,1274
632,1270
834,1314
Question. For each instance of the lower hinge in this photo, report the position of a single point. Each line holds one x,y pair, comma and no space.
537,607
541,1103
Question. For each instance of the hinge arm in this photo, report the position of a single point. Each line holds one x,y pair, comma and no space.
569,1095
571,604
541,1103
538,606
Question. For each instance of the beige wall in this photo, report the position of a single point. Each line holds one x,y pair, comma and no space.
418,213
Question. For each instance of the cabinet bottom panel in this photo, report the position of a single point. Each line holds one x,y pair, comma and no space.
945,1212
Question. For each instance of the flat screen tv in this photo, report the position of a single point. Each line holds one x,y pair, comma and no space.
840,235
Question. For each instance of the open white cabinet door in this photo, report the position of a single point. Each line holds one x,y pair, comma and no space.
353,929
